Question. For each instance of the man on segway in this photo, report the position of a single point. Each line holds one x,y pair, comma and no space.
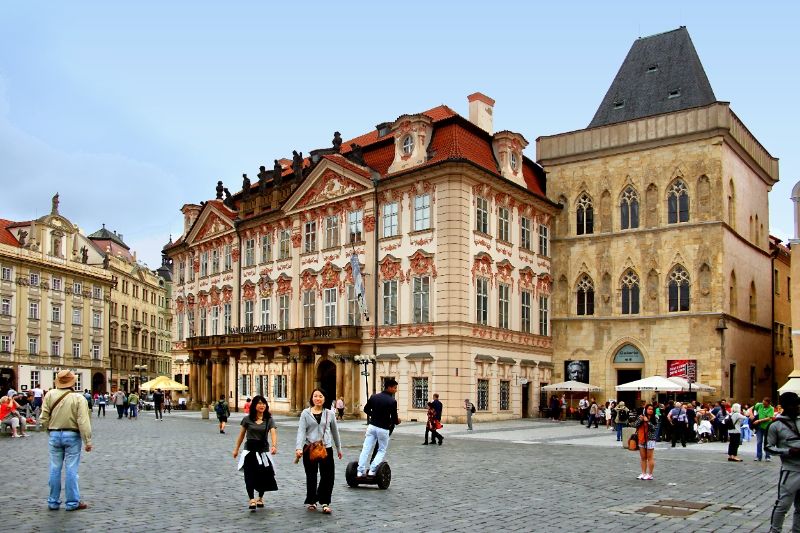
381,409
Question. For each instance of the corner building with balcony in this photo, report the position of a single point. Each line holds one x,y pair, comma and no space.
451,217
662,254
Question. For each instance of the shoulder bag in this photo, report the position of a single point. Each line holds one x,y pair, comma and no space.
316,450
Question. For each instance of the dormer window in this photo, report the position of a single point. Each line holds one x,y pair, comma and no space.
619,104
674,93
513,161
653,68
408,144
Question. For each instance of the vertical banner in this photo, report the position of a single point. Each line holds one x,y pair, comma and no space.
358,281
576,370
682,368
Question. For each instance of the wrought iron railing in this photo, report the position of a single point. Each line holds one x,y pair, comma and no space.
326,333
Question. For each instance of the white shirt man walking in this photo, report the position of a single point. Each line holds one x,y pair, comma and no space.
66,418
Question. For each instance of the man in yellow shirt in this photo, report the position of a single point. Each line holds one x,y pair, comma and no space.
65,416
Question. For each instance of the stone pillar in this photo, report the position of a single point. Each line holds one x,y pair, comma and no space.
339,376
293,384
208,394
349,392
533,394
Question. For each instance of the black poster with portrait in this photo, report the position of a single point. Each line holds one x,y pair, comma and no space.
576,370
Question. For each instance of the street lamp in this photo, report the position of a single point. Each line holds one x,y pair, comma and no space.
140,368
365,360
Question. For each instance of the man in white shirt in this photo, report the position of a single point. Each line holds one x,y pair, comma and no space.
583,405
37,397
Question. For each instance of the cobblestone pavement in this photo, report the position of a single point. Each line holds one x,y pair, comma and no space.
178,475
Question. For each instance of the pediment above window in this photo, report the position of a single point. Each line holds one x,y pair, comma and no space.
412,135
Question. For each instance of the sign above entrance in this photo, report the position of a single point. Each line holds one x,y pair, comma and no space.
629,354
682,368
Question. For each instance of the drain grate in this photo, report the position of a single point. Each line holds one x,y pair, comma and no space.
683,505
666,511
674,508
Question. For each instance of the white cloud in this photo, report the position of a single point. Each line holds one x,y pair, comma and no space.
134,198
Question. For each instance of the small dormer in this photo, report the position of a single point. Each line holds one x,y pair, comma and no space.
412,134
508,147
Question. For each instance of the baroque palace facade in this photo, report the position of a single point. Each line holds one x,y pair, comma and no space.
451,217
55,300
662,255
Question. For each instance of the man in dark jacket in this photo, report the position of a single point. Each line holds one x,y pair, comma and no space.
381,409
784,441
437,407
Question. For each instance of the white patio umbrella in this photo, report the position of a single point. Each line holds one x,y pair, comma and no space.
793,385
653,383
693,387
573,386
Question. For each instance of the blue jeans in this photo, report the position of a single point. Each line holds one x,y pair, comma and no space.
373,434
619,431
592,418
65,449
761,435
133,411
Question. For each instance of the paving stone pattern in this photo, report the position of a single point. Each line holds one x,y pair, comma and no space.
179,475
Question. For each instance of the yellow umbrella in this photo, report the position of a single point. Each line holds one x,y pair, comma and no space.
163,383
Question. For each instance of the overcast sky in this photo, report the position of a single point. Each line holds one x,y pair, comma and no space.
131,109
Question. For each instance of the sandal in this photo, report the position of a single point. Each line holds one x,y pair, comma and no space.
252,505
312,507
326,509
260,503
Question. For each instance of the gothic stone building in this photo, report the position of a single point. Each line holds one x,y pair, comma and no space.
453,220
661,253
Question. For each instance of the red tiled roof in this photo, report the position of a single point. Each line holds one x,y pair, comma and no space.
222,207
439,113
531,180
436,114
6,237
379,159
453,141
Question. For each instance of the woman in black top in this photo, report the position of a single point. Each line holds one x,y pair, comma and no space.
259,473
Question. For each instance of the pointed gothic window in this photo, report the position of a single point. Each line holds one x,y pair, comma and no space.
630,293
585,215
629,209
586,296
678,203
678,290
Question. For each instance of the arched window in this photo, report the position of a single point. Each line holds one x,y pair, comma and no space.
753,307
585,296
678,290
678,203
630,293
629,209
585,215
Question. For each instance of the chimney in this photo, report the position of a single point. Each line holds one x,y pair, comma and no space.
481,111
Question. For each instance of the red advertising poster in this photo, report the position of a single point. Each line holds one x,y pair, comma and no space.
682,368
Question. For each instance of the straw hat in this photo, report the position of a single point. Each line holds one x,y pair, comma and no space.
65,379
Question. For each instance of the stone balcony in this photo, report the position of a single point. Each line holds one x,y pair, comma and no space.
320,335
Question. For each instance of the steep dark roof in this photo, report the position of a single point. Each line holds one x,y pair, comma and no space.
654,67
105,235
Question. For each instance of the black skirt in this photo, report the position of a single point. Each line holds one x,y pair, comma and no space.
259,477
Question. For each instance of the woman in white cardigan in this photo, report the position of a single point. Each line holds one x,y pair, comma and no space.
318,424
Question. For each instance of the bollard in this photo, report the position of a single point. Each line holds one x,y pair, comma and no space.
204,413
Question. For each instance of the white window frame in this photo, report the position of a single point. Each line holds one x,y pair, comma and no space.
179,326
482,215
309,308
249,252
284,311
76,317
355,226
544,313
33,280
97,320
330,301
190,315
55,347
5,343
525,233
203,322
33,310
6,274
503,306
5,307
97,292
215,261
96,355
248,313
279,389
266,311
55,284
544,240
266,248
227,260
419,393
76,350
310,237
503,224
55,314
482,301
353,308
421,294
526,319
33,345
77,288
332,231
36,379
422,212
286,243
390,303
391,219
226,318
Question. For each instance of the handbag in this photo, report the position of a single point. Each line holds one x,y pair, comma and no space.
316,450
438,425
633,445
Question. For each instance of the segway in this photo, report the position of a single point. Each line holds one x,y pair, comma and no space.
382,477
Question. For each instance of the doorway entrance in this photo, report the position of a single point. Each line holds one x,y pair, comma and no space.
326,376
631,398
525,413
6,380
98,383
